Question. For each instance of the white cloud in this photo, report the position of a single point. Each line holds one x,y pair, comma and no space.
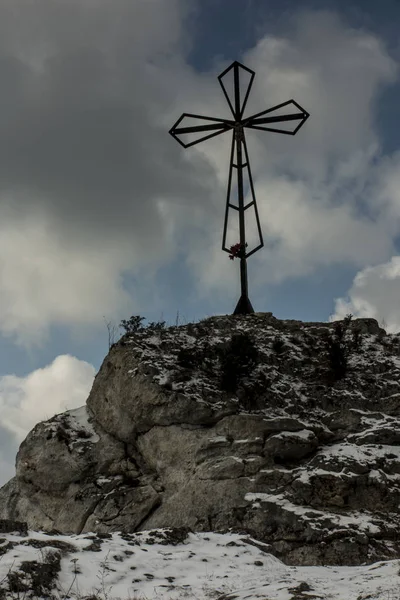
64,384
321,175
315,191
384,197
7,471
304,232
333,71
375,293
44,279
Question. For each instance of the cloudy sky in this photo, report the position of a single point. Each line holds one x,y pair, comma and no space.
103,215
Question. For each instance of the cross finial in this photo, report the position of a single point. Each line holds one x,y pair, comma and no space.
237,98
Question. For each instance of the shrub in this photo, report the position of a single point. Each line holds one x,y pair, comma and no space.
202,330
188,358
133,324
82,433
337,358
191,329
339,348
156,325
357,338
40,577
204,358
278,345
62,435
209,358
255,392
237,360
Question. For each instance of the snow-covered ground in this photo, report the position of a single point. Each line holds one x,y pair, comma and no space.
203,566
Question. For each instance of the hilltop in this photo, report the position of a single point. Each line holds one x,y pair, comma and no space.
284,432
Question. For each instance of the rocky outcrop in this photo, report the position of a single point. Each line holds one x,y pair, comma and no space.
234,423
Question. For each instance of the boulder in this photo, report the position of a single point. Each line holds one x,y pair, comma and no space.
289,446
183,429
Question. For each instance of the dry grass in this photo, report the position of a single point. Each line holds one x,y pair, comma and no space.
42,580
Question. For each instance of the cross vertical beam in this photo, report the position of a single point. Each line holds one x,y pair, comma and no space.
260,121
237,91
244,305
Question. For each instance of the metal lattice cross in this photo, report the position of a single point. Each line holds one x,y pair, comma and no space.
264,121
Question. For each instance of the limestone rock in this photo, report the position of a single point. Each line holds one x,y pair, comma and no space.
289,446
182,429
7,526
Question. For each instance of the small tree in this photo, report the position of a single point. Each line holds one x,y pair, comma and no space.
112,332
188,358
357,337
278,345
238,360
133,324
339,349
156,325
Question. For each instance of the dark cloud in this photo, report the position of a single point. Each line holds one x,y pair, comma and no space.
80,131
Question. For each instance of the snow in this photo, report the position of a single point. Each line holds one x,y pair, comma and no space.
304,434
396,361
204,566
154,340
360,454
162,379
360,521
306,475
79,420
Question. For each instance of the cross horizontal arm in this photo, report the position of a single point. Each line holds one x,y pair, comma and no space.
274,130
259,121
295,117
202,118
216,127
195,128
277,107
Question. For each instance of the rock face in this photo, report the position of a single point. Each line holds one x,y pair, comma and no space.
246,423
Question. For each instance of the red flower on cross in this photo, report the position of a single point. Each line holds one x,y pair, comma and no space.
236,250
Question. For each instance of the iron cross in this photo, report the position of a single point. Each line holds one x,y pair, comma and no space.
265,121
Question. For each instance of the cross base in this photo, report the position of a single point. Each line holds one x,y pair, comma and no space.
243,307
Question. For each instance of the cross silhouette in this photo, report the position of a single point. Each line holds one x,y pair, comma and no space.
233,90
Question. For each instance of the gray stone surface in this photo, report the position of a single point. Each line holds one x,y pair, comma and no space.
301,461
